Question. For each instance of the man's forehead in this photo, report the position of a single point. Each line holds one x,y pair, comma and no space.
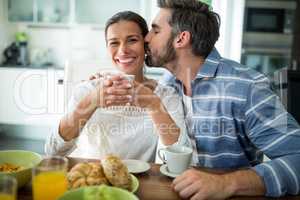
162,18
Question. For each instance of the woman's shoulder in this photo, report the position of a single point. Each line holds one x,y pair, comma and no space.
170,98
161,90
165,90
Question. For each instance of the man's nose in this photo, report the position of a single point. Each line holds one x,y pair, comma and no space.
147,38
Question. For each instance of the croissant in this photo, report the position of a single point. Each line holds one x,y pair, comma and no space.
85,174
116,172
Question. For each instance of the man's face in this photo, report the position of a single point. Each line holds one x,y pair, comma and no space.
160,50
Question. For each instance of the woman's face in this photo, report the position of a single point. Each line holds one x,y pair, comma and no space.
125,44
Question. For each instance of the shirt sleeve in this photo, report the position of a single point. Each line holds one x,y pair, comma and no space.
173,103
275,133
55,144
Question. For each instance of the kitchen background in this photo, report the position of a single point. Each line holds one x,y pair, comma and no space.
60,33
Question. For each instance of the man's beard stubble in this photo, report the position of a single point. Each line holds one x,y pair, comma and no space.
161,60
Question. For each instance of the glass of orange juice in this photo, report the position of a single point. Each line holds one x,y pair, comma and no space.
8,188
49,178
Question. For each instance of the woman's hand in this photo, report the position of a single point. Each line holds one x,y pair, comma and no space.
112,92
96,76
143,95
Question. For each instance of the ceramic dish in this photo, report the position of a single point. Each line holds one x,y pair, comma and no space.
136,166
164,170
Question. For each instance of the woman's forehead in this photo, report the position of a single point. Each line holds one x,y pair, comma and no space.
124,28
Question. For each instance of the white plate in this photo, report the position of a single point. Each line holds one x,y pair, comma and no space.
164,170
136,166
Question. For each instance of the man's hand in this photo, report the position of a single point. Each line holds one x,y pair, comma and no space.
199,185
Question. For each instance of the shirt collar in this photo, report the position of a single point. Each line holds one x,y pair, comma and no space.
208,69
210,65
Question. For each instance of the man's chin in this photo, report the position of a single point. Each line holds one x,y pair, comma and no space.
150,63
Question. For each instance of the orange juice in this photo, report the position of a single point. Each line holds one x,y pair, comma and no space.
7,196
49,185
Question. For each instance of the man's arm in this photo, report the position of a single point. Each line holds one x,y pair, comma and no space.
275,133
197,184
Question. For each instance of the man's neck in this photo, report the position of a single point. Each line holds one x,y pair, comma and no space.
186,69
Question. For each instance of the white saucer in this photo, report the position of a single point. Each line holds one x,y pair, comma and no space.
164,170
136,166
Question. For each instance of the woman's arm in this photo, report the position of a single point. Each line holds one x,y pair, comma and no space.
71,124
167,128
55,143
85,100
105,94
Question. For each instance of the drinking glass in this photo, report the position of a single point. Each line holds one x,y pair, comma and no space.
129,77
50,178
8,187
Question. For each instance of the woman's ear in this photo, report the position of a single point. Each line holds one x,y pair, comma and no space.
183,39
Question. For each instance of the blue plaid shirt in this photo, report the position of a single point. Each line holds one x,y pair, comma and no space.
234,119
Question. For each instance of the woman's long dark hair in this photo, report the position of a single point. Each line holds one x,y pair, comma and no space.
128,16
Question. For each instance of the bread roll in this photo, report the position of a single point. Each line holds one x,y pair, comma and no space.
116,172
85,174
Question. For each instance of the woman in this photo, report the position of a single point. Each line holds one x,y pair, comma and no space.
100,120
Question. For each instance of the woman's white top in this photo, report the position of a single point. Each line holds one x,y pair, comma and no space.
126,131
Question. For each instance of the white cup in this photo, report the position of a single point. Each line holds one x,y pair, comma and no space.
129,77
109,74
177,158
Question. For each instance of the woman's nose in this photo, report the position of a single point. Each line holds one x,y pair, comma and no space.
123,49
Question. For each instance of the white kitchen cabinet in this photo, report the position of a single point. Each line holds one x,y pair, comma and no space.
53,11
95,12
68,12
20,11
39,11
31,96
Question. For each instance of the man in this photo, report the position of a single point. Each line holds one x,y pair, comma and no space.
232,115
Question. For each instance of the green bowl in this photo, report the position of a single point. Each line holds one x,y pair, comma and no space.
26,159
135,183
102,192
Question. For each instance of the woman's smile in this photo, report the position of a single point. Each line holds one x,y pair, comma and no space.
126,47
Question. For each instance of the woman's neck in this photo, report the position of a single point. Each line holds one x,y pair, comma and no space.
139,77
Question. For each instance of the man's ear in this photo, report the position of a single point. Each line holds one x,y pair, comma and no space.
183,39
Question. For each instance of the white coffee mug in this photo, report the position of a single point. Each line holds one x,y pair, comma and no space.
177,157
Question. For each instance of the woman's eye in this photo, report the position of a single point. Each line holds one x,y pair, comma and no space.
113,44
132,40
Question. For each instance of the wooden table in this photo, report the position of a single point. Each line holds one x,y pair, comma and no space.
153,186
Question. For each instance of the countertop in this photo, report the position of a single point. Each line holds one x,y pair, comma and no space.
32,66
152,185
